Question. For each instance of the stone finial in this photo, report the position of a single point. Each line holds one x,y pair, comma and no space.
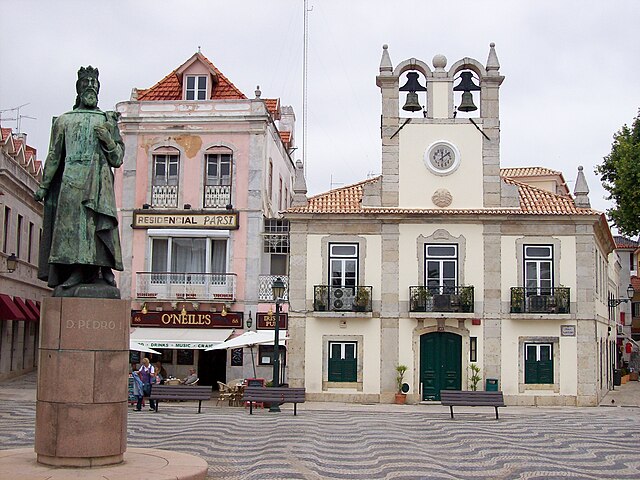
299,186
439,62
492,61
386,67
581,191
134,94
258,92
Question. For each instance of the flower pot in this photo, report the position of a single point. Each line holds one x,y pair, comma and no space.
401,398
633,376
624,379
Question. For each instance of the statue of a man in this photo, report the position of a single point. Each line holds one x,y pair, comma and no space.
80,242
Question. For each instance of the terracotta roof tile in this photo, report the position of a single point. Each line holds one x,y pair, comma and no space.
527,172
285,137
5,132
533,201
170,87
273,106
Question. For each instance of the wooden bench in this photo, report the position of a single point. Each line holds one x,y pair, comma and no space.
180,392
459,398
273,395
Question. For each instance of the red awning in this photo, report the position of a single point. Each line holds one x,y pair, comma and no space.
29,315
9,310
34,308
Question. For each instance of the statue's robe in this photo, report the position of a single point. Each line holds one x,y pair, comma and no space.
80,225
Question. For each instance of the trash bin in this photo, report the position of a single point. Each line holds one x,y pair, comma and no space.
491,385
617,377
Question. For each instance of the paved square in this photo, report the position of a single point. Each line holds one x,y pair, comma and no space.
332,441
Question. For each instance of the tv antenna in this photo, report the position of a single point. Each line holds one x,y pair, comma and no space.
18,118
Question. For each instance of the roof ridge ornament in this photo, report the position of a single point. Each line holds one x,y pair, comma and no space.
493,65
581,190
386,67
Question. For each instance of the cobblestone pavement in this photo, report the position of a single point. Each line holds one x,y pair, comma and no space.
336,441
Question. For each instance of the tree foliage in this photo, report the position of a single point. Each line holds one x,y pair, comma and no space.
620,176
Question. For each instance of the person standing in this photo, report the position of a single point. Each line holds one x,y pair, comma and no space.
138,388
147,375
80,241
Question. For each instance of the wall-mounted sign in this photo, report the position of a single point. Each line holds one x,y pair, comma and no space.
267,321
568,330
185,219
190,320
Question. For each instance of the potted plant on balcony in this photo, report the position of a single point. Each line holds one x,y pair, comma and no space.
517,300
466,299
401,396
561,298
321,296
421,299
361,301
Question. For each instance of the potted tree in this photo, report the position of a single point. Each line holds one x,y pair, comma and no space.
321,296
401,397
362,299
517,300
475,376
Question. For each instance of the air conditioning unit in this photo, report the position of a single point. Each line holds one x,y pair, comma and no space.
619,329
342,298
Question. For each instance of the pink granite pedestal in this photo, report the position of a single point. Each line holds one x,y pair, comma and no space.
81,408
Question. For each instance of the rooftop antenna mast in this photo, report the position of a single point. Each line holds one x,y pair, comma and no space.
18,117
304,85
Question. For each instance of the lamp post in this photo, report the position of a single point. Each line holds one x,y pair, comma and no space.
614,302
12,263
278,291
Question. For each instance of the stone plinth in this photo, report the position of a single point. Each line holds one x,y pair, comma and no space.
81,408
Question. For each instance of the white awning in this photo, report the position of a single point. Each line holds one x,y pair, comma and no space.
190,338
628,337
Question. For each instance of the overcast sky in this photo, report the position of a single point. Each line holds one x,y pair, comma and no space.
572,68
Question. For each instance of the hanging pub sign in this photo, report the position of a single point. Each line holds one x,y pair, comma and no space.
267,321
185,219
189,320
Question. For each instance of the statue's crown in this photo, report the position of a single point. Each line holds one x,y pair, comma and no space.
87,72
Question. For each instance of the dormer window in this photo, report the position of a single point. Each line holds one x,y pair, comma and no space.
196,87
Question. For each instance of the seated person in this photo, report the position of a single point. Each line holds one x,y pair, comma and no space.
191,378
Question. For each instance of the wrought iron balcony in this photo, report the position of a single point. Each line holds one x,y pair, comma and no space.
540,300
265,293
341,299
164,196
168,286
217,196
441,299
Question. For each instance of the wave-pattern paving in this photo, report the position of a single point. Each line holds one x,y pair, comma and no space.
528,444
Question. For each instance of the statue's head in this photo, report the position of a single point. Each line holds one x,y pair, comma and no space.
87,88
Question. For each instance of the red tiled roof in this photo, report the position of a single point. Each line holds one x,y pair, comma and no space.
273,106
5,132
533,201
18,143
285,137
624,242
170,87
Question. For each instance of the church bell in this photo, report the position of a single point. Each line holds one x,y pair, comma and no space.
466,86
412,86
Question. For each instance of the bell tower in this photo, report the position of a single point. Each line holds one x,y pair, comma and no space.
439,150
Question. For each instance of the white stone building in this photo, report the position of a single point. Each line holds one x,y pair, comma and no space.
447,260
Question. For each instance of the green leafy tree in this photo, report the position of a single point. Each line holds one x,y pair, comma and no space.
620,175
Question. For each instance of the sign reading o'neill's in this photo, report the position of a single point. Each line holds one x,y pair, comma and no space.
185,219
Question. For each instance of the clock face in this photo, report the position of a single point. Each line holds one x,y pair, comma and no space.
442,158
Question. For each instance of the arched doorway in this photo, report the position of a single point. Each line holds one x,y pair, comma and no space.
440,363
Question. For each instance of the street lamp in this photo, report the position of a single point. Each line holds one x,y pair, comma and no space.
12,264
614,302
277,287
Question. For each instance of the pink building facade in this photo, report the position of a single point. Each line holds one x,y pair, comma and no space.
205,173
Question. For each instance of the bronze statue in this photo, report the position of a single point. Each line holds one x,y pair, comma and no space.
80,243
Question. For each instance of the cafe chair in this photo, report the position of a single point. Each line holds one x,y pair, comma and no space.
225,393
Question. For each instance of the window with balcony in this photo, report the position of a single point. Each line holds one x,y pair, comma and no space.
343,362
166,171
441,268
196,88
538,269
538,363
218,169
343,264
192,255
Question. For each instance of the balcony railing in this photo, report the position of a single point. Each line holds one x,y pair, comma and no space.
341,299
540,300
265,293
441,299
217,196
164,196
214,287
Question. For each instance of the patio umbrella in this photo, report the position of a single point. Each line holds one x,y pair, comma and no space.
250,339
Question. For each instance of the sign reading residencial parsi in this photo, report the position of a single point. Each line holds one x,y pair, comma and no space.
185,219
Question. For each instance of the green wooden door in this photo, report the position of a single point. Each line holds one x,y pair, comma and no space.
440,363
